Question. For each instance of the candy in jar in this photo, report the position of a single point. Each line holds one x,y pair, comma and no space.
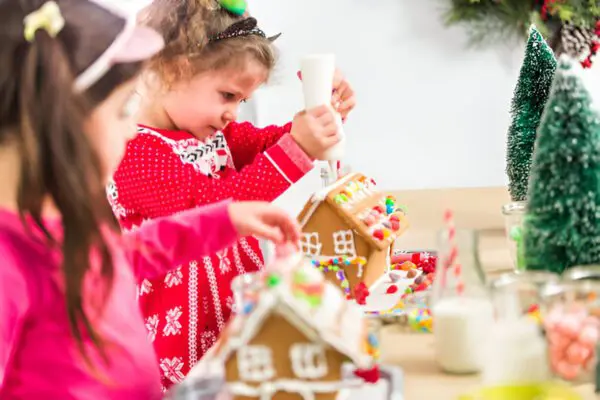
572,333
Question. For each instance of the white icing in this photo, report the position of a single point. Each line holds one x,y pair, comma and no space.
310,244
255,363
305,389
360,270
343,243
308,360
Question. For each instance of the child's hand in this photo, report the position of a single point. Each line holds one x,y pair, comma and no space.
343,99
315,131
265,221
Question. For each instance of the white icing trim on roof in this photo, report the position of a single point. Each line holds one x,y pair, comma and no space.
319,196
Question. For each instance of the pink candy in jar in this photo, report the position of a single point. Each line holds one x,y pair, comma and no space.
572,337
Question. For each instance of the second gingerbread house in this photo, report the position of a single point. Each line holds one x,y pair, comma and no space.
293,341
348,230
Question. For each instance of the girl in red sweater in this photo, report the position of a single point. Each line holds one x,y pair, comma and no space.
190,151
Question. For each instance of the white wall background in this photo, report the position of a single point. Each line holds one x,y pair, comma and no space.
431,112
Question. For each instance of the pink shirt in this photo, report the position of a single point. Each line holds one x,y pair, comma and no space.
39,358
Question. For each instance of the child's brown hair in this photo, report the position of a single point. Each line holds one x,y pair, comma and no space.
43,117
187,27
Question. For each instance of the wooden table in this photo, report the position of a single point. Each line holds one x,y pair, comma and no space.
474,208
422,378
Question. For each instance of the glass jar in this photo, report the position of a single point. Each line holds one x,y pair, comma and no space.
514,214
461,306
571,318
516,352
583,272
526,286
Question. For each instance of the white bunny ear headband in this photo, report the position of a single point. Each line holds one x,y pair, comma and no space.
133,43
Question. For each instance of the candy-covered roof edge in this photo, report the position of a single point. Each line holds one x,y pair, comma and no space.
323,196
278,300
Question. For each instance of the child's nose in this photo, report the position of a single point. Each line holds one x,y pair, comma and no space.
230,115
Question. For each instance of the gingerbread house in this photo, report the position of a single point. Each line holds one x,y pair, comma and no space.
349,228
293,342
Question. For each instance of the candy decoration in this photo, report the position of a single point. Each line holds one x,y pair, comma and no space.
235,7
378,234
372,345
420,320
370,375
273,280
344,283
361,292
533,312
391,289
308,285
572,339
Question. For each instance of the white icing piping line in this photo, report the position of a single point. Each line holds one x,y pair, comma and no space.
306,389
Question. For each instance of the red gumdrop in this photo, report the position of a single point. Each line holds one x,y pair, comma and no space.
392,289
378,234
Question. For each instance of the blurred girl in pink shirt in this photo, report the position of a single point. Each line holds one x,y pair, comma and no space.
70,326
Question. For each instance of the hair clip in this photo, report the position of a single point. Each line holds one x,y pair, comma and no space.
47,17
245,27
235,7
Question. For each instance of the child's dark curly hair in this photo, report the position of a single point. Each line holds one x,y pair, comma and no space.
186,26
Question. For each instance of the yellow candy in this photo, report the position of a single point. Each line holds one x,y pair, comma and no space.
386,233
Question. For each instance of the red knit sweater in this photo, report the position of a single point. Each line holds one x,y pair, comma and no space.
165,172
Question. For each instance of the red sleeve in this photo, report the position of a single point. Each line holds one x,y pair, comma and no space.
246,141
152,180
157,245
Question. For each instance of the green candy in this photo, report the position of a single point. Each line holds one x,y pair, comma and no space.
236,7
273,280
516,233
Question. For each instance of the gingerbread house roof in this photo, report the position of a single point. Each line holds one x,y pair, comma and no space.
357,201
334,321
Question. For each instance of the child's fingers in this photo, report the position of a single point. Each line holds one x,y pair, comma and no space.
330,140
318,111
268,232
326,118
347,105
345,91
287,225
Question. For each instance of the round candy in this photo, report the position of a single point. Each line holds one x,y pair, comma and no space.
569,326
567,371
589,336
577,354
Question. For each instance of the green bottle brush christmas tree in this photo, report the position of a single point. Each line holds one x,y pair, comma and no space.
531,94
562,224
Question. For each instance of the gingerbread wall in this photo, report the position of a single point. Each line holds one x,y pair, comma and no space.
377,265
326,222
278,334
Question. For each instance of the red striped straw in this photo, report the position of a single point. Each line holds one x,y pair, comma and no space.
450,261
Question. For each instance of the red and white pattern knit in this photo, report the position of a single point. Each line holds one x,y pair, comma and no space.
166,172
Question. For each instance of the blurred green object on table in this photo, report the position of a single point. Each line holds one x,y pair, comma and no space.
540,391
